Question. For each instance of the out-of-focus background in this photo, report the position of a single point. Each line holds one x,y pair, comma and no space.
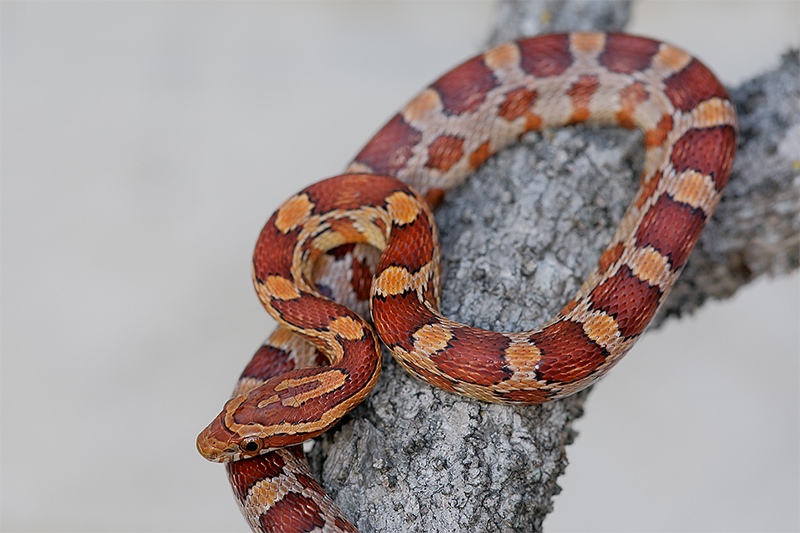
144,145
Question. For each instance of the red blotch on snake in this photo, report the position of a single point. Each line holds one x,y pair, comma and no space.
708,151
567,353
632,301
672,228
464,88
626,54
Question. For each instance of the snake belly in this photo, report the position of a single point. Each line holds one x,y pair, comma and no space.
318,249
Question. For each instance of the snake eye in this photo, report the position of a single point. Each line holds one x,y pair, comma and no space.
250,445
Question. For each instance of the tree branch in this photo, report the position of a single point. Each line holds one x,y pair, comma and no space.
517,239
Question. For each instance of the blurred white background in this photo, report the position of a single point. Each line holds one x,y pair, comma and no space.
143,147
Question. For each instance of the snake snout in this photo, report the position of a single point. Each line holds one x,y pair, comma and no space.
214,443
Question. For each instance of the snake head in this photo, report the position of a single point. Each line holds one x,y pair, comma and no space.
223,440
272,416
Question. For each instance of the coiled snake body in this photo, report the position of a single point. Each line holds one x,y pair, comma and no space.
325,358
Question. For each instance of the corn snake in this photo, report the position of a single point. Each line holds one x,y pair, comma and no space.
433,144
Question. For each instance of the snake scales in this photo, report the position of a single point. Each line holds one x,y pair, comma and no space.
319,248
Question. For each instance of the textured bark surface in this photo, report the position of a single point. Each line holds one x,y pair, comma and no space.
518,239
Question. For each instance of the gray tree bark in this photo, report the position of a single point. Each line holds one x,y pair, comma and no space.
518,239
